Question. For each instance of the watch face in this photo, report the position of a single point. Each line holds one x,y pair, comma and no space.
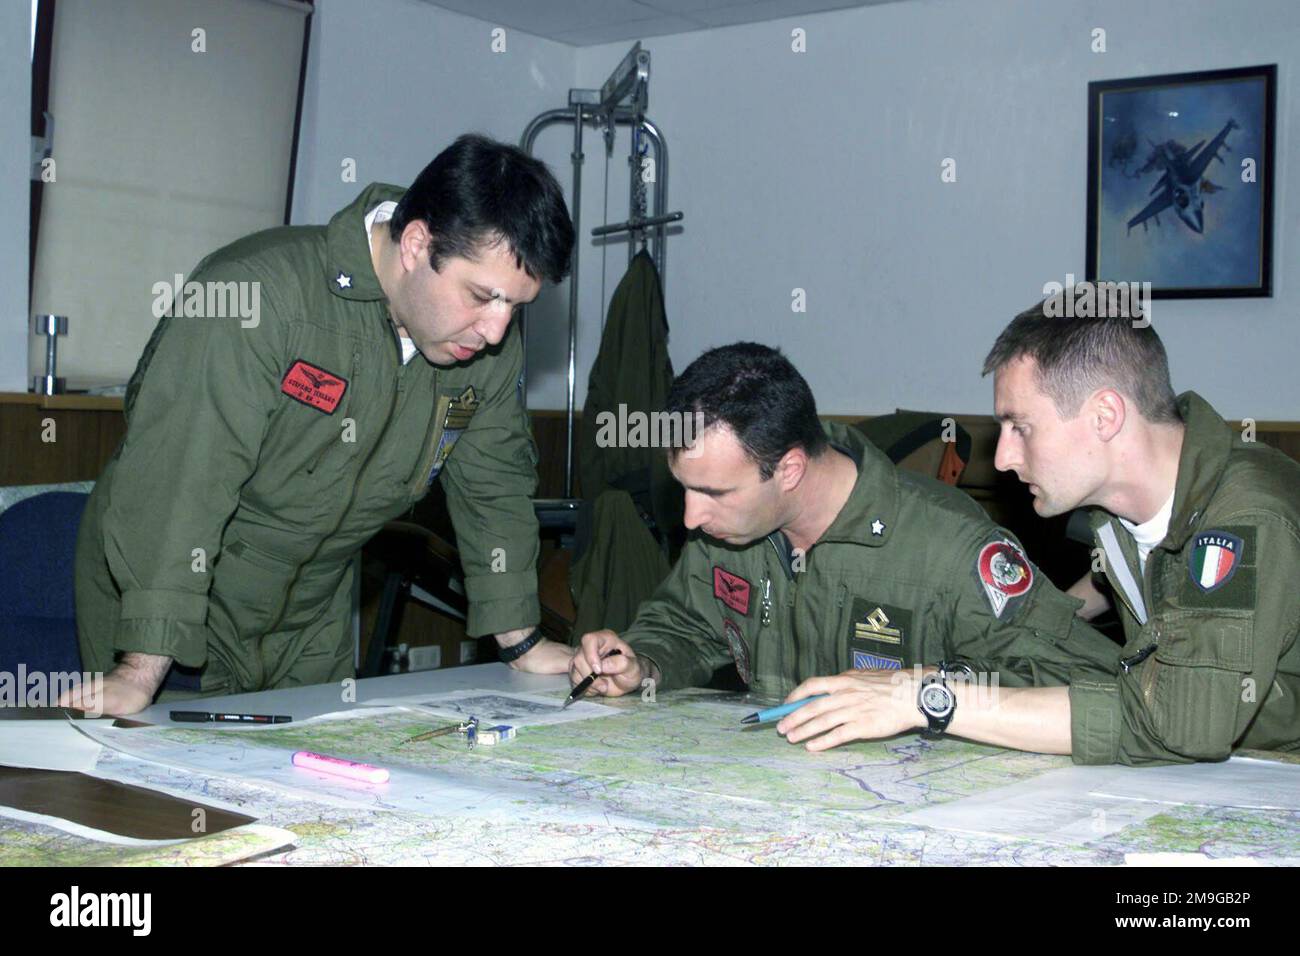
936,700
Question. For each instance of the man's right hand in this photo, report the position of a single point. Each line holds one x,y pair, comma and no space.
619,674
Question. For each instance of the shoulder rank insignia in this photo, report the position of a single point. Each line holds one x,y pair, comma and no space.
731,589
456,414
314,386
1004,572
1214,559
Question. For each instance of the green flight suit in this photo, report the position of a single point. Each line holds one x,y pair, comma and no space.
631,376
910,572
1217,614
258,460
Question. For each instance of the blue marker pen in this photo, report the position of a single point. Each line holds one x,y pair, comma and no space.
776,713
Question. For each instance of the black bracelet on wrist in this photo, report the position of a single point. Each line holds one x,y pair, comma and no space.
516,651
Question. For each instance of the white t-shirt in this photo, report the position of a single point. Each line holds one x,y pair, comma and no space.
382,213
1150,533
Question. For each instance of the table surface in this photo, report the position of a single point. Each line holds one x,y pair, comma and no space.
677,781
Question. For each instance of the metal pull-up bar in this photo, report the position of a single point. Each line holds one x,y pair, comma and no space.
622,99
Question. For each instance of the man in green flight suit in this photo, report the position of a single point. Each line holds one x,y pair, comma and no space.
1198,535
817,555
261,455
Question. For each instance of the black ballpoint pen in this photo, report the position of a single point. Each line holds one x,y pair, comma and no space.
203,717
582,685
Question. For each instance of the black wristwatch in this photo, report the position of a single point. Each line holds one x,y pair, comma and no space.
516,651
936,699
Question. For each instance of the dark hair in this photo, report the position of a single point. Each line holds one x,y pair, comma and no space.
758,394
1077,356
477,192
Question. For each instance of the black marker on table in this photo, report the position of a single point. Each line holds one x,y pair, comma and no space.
202,717
582,685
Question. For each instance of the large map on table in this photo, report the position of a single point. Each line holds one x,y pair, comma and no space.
678,780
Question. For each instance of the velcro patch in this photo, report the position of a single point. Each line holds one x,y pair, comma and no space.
867,661
1214,559
314,386
1004,572
731,589
1222,569
739,649
456,415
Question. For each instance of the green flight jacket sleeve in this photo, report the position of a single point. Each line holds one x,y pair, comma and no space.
198,406
1201,690
1033,639
490,481
672,628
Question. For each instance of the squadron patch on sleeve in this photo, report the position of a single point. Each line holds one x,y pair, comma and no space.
739,649
1214,559
314,386
731,589
1004,572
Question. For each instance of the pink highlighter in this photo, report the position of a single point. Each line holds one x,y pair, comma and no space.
341,768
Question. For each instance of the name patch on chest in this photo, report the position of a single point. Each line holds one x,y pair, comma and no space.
314,386
731,589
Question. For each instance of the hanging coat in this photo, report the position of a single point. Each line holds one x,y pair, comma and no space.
632,370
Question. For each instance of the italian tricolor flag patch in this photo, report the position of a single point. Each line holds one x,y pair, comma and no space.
1214,559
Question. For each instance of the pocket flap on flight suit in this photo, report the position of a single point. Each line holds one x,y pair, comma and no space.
1201,639
1049,614
1195,683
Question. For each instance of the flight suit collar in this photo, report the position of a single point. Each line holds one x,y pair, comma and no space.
1207,443
869,515
349,273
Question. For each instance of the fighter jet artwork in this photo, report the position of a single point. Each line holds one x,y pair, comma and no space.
1182,183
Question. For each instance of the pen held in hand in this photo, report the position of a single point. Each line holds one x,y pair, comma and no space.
587,681
776,713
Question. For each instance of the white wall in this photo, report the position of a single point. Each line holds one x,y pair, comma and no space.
817,170
392,82
15,191
821,171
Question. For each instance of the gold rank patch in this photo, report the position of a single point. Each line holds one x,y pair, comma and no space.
461,410
877,635
876,626
456,414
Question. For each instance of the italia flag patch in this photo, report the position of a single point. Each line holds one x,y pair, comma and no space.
1214,559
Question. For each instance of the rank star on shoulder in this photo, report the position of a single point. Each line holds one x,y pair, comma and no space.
877,527
344,280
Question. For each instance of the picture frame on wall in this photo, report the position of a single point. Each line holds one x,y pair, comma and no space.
1180,182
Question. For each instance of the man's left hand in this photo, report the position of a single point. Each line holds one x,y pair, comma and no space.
545,657
863,705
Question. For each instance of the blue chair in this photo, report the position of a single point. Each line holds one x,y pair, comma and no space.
38,613
38,617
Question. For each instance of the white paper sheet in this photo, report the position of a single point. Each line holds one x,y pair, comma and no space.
47,745
500,707
1081,804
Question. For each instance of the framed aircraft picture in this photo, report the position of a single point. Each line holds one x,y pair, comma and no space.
1180,182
